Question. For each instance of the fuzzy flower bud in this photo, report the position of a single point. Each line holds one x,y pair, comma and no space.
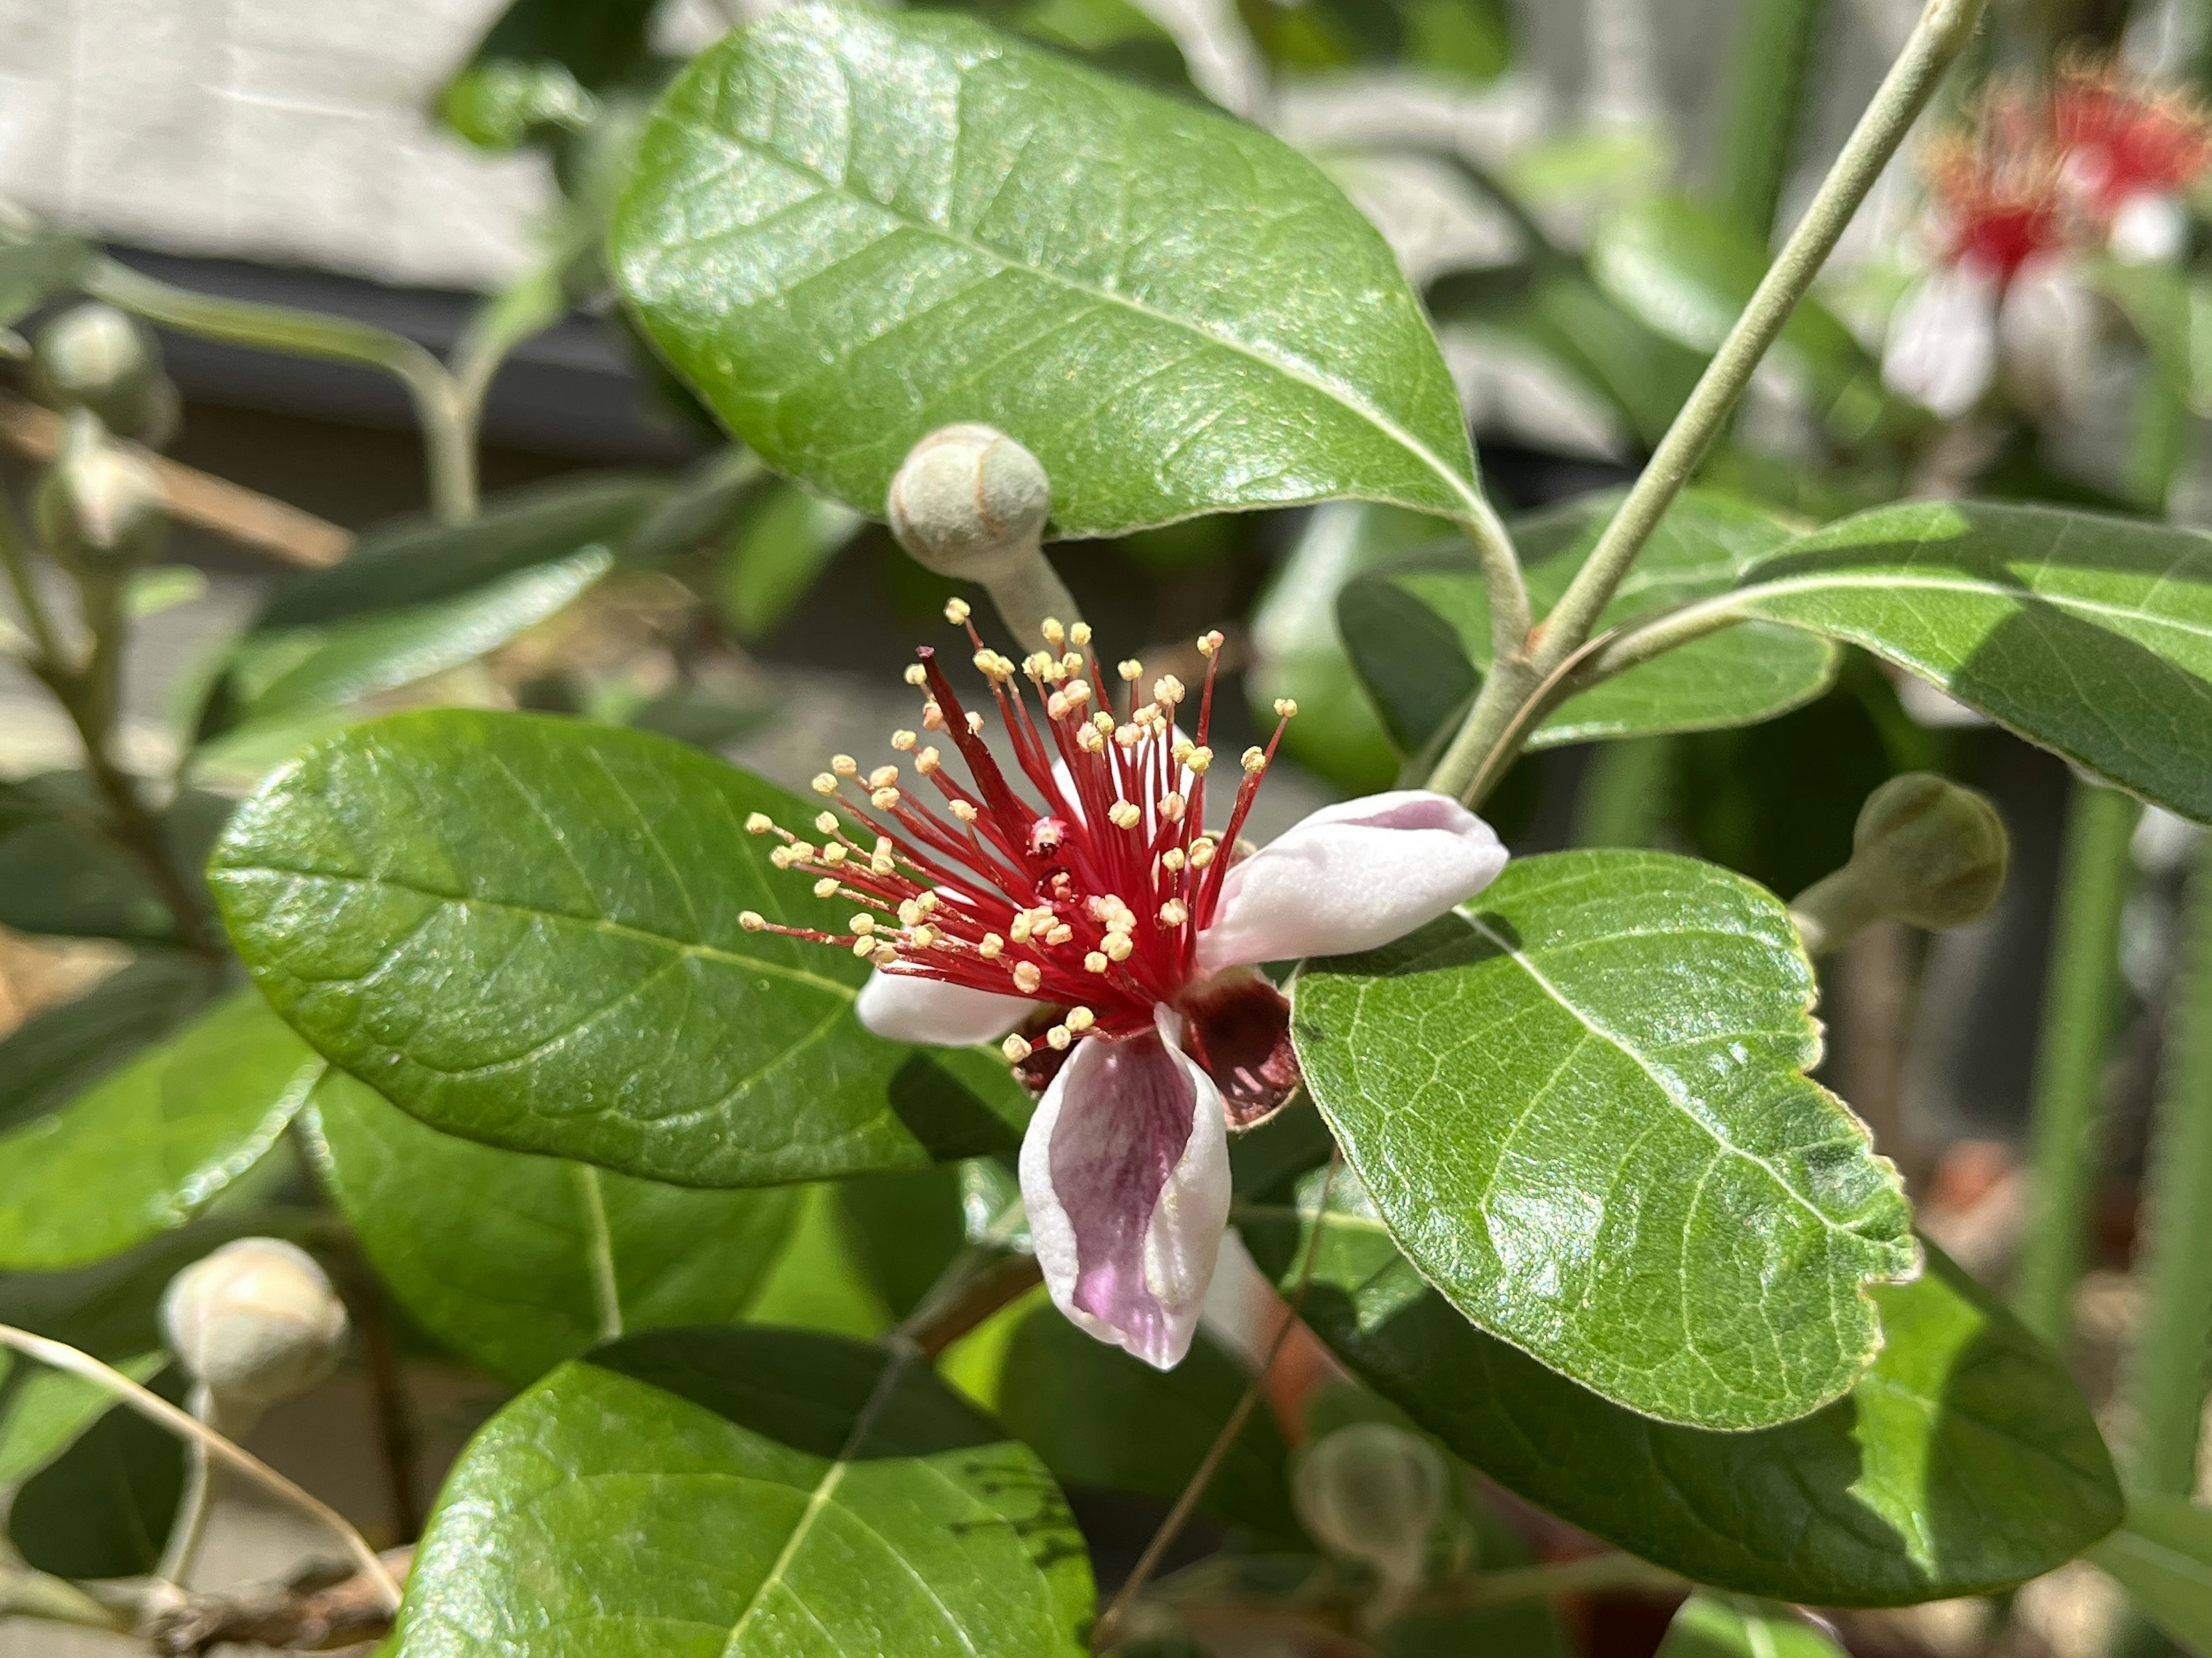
1924,850
255,1323
970,503
1373,1493
94,357
98,508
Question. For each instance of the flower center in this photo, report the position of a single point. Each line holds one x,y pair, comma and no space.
1089,900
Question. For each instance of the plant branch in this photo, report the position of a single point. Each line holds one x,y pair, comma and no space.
1941,34
63,1357
978,1283
1599,1573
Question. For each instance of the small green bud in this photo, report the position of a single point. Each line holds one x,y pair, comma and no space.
969,502
100,509
93,356
1924,850
1373,1493
255,1323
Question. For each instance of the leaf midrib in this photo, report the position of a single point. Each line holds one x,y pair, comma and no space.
1893,579
1460,487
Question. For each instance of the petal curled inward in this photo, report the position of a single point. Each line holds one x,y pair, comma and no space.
905,1007
1352,876
1125,1173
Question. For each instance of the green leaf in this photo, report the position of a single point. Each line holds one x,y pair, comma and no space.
56,1055
1099,1417
153,1145
525,930
539,62
771,1493
1470,40
2162,1556
788,538
1581,1107
2088,635
1964,1462
43,1412
1709,1625
847,229
34,271
517,1262
1115,34
1419,632
61,874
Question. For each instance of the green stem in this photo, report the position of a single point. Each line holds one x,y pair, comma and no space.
2078,1004
528,306
1599,1573
2165,1382
449,436
1765,102
44,639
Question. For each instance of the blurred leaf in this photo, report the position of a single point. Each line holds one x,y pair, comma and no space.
147,1148
2089,636
774,1492
1616,1162
163,588
1709,1625
33,269
788,538
1471,39
517,1262
51,1058
43,1412
1964,1462
1178,313
822,1281
539,66
2162,1556
61,874
525,930
1114,34
902,1230
103,1507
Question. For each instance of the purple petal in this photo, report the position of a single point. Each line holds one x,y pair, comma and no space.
1125,1173
906,1007
1352,876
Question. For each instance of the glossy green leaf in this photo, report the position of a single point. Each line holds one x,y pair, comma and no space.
525,930
1099,1417
1709,1625
1581,1105
2088,635
2162,1556
767,1494
518,1262
49,1060
153,1145
61,874
1964,1462
1419,632
848,229
788,538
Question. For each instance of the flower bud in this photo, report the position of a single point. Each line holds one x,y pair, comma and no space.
100,507
94,357
970,502
1373,1493
256,1322
1924,850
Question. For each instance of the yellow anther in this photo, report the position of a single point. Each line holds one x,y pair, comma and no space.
1079,1019
1117,946
1181,749
1028,975
886,953
883,799
922,938
883,777
1061,934
1125,814
1078,691
956,611
844,765
965,811
1169,689
880,862
916,674
1208,643
910,912
1285,708
932,717
1080,635
1095,962
862,924
864,947
802,852
1090,740
780,856
975,723
1102,723
1054,634
824,783
1039,665
1201,852
1171,806
1015,1049
903,740
1022,928
1198,760
1131,670
833,855
992,947
993,666
826,821
759,822
1174,912
927,902
1172,860
1254,759
926,762
826,887
752,921
1072,662
1057,705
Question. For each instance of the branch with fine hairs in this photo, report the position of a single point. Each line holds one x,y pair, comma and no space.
1944,29
448,437
62,1357
1178,1516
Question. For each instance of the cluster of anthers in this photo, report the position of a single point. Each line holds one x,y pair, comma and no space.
1093,902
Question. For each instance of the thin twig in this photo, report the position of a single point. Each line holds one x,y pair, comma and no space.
1534,707
1216,1454
63,1357
971,1290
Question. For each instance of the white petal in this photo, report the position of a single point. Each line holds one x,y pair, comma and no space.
2151,226
905,1007
1352,876
1125,1176
1943,345
2048,330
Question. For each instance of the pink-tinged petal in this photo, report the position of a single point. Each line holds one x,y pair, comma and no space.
2149,226
1943,349
905,1007
1352,876
1124,1175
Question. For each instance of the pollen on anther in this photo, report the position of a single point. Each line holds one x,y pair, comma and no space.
1285,708
863,924
1055,634
1028,975
759,822
886,953
1168,688
752,921
923,937
1090,740
1201,853
864,947
1254,759
932,717
910,912
1125,814
1015,1049
1095,962
826,887
916,674
956,611
1117,946
1059,934
1172,860
844,765
1131,670
1058,1038
884,798
992,947
824,783
1171,806
975,723
1174,912
1080,635
833,855
1209,643
1079,1019
883,777
965,811
903,740
826,821
926,762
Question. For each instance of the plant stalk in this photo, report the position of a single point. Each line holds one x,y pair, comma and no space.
2165,1380
2078,1005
